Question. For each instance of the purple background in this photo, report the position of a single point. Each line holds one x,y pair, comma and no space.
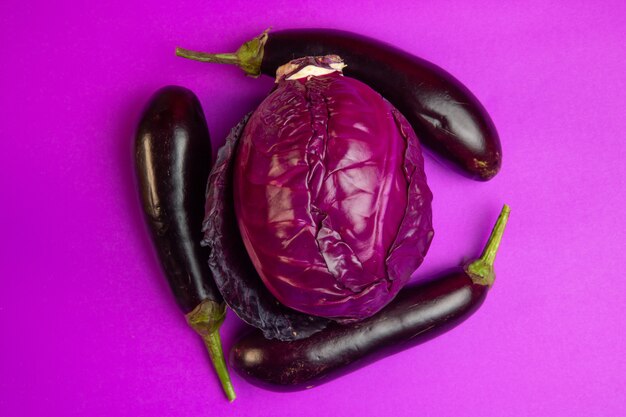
87,323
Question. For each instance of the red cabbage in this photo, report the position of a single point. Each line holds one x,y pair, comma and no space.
330,193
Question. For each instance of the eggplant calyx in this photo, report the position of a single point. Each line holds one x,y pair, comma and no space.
481,270
207,317
206,320
248,57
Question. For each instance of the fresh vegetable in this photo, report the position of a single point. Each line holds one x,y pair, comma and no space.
446,116
417,314
172,158
330,193
232,269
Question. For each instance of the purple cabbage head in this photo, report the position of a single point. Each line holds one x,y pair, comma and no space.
330,193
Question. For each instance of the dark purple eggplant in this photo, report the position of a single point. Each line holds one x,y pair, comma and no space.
444,113
173,160
417,314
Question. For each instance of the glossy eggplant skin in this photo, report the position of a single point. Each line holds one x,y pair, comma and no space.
446,116
173,160
419,313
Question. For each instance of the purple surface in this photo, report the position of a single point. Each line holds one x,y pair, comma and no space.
87,323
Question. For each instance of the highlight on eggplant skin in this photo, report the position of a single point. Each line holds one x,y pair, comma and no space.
444,113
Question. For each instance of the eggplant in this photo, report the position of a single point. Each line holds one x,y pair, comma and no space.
172,161
419,313
444,113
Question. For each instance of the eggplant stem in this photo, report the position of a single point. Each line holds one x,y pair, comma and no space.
229,58
248,57
491,248
213,343
206,320
481,270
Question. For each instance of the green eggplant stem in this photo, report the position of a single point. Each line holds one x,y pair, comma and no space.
206,320
228,58
213,344
481,270
248,57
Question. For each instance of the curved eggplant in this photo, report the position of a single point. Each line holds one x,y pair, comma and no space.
444,113
417,314
172,160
